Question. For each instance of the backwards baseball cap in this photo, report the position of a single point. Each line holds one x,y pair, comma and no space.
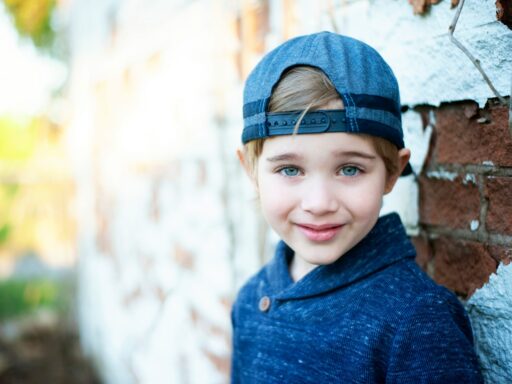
365,82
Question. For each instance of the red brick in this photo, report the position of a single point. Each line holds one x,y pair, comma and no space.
461,139
504,12
448,203
462,266
183,257
222,362
498,191
501,254
423,251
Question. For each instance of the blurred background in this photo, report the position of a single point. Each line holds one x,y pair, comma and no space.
37,220
122,203
126,223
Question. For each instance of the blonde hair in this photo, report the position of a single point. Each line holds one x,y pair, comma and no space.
305,88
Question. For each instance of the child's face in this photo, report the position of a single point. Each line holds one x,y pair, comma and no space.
321,193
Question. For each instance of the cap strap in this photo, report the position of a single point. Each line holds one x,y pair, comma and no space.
284,123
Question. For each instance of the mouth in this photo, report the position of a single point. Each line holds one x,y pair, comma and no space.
320,233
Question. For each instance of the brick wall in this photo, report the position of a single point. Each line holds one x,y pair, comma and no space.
465,194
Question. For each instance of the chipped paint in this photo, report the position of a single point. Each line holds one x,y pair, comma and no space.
488,163
469,178
404,197
405,39
504,12
421,7
474,225
404,200
441,174
432,118
417,138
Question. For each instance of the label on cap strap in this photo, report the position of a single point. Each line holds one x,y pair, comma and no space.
284,123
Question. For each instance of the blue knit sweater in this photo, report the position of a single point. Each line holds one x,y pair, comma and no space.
371,317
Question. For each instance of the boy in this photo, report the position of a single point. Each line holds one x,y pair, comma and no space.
342,301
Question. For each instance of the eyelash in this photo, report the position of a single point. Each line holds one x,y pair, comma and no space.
281,170
358,170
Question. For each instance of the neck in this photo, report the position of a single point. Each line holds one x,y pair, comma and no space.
300,268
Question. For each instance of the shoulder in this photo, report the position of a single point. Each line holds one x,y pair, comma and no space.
433,336
441,310
403,286
409,276
433,301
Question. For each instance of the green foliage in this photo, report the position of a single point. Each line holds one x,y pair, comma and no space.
7,196
32,18
32,186
10,190
19,297
5,230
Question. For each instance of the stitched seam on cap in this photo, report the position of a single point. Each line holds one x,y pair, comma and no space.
304,46
316,48
353,124
262,110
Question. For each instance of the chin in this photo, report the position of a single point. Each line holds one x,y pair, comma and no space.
317,258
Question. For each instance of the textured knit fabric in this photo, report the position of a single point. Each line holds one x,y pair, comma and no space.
371,317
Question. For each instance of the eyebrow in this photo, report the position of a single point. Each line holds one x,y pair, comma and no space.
284,157
294,157
363,155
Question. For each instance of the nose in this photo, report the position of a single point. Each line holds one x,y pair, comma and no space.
319,197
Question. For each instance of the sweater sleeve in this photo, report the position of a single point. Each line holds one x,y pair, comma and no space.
434,344
234,364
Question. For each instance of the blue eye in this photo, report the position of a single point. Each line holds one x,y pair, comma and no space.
349,170
289,171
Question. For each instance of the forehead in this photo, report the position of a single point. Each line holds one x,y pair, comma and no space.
318,145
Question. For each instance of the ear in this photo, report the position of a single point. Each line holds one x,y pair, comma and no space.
404,155
247,167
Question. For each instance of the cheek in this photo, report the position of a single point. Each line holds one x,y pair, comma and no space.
270,201
275,203
366,200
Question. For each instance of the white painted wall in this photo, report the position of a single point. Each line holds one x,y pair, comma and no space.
490,309
168,226
418,48
154,192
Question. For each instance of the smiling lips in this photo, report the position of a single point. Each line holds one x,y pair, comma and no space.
320,233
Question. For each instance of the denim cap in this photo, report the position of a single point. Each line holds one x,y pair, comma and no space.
364,81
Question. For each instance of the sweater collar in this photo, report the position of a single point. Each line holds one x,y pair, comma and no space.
386,244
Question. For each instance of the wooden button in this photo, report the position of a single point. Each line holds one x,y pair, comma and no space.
264,304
